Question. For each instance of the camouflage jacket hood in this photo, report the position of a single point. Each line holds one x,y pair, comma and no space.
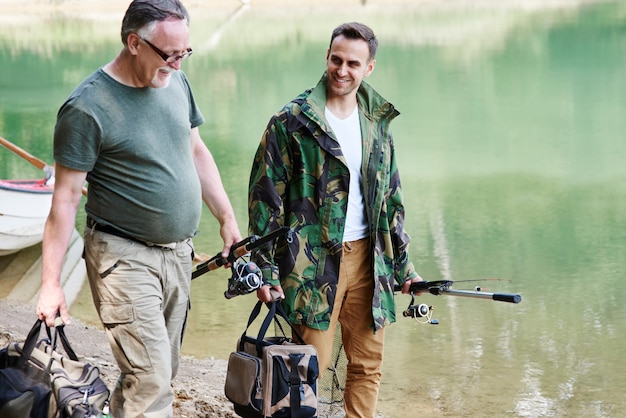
300,179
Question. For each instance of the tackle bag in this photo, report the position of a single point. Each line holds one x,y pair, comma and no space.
38,381
272,376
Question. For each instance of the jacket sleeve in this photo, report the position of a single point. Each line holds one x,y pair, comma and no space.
266,194
403,268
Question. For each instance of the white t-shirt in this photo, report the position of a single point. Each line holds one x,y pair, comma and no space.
348,133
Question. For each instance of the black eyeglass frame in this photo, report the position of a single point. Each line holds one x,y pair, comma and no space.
170,59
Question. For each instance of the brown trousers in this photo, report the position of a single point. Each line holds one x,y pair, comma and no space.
363,347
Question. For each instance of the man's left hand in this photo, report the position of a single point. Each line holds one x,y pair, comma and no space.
407,285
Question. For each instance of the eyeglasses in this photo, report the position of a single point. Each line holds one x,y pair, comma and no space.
170,59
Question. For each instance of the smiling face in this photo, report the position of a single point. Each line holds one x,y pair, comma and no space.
169,36
347,64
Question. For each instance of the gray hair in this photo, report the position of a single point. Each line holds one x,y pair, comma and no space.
144,14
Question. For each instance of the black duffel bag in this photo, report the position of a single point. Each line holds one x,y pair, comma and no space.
38,381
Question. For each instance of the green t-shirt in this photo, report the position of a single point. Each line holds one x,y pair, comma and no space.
134,143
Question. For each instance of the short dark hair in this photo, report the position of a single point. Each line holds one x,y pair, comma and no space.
141,13
356,30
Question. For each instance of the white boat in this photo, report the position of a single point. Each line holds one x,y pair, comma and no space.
20,273
24,207
28,279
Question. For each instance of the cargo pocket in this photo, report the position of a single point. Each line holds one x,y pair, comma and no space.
116,313
126,342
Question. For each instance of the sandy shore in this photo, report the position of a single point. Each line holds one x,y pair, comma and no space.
199,386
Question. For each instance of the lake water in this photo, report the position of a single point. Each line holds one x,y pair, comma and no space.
510,145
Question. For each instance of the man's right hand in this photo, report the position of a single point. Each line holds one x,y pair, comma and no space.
51,303
267,293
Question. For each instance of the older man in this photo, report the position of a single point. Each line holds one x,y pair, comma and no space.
131,130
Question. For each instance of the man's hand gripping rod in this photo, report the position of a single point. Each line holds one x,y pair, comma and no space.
237,251
442,287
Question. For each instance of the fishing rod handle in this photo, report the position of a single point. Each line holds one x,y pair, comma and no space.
218,261
501,297
506,297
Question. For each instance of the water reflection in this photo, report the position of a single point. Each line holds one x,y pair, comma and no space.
510,146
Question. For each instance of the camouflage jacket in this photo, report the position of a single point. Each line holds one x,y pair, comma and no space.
300,179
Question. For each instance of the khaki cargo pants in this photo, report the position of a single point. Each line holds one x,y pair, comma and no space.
141,294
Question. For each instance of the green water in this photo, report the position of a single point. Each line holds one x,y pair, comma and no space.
510,145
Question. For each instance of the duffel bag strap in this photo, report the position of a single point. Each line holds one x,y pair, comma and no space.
296,390
264,326
59,334
281,311
33,336
274,308
255,312
29,344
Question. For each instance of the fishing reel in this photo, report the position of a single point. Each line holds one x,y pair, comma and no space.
246,278
422,313
442,287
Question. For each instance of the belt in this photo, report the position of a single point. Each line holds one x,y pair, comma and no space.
108,229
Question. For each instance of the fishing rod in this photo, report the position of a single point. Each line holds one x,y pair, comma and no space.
443,287
246,275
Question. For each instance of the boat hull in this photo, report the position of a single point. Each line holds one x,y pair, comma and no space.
24,207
